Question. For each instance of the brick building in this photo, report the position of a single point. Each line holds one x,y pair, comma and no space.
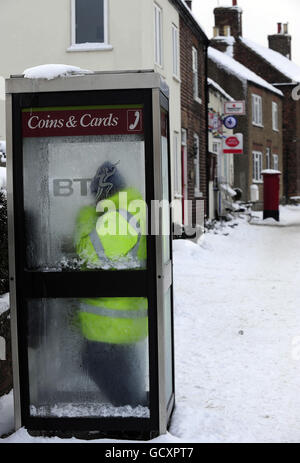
261,126
193,183
221,166
274,65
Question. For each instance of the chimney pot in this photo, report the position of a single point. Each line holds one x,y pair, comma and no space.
216,31
282,41
229,16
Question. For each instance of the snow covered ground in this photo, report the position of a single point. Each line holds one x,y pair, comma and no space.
2,177
237,337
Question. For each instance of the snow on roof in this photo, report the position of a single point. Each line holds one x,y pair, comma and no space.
193,16
235,7
51,71
239,70
277,60
230,41
219,89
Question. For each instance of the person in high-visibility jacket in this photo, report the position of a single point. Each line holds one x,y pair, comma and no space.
113,327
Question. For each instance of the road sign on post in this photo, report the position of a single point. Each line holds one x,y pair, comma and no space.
235,108
233,144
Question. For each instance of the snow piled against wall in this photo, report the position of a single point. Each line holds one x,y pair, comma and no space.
2,177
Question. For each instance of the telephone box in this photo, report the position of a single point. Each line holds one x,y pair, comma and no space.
91,310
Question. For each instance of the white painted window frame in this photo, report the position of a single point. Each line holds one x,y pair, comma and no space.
257,167
215,144
175,48
195,69
158,35
257,112
196,142
275,161
89,46
275,117
268,158
177,165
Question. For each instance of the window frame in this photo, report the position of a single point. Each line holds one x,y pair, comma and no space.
176,167
89,46
275,119
257,110
158,35
195,70
275,163
197,187
215,144
268,158
175,49
257,156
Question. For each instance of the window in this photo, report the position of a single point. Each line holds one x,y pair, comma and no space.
158,35
257,118
197,165
183,137
176,160
89,18
175,42
257,166
195,75
268,158
215,147
275,122
275,162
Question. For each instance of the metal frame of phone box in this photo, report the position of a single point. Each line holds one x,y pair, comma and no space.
148,89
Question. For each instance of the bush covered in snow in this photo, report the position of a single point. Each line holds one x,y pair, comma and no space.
3,244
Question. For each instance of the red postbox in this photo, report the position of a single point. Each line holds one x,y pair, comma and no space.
271,193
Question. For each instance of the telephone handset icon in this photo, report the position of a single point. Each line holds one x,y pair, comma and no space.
137,116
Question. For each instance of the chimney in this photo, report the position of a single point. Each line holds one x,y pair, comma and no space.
282,41
229,18
189,3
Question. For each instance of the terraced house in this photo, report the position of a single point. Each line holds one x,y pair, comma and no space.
261,125
274,65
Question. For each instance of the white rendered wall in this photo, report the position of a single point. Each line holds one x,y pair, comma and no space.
37,32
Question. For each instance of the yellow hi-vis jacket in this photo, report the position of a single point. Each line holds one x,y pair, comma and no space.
117,239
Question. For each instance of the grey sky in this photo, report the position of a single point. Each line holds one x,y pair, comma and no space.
260,18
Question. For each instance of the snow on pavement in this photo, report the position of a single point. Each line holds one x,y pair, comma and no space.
237,303
237,336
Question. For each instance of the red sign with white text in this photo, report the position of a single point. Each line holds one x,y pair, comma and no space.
62,122
233,144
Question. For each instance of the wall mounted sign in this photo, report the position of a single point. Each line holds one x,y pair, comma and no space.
233,144
215,122
237,108
230,122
